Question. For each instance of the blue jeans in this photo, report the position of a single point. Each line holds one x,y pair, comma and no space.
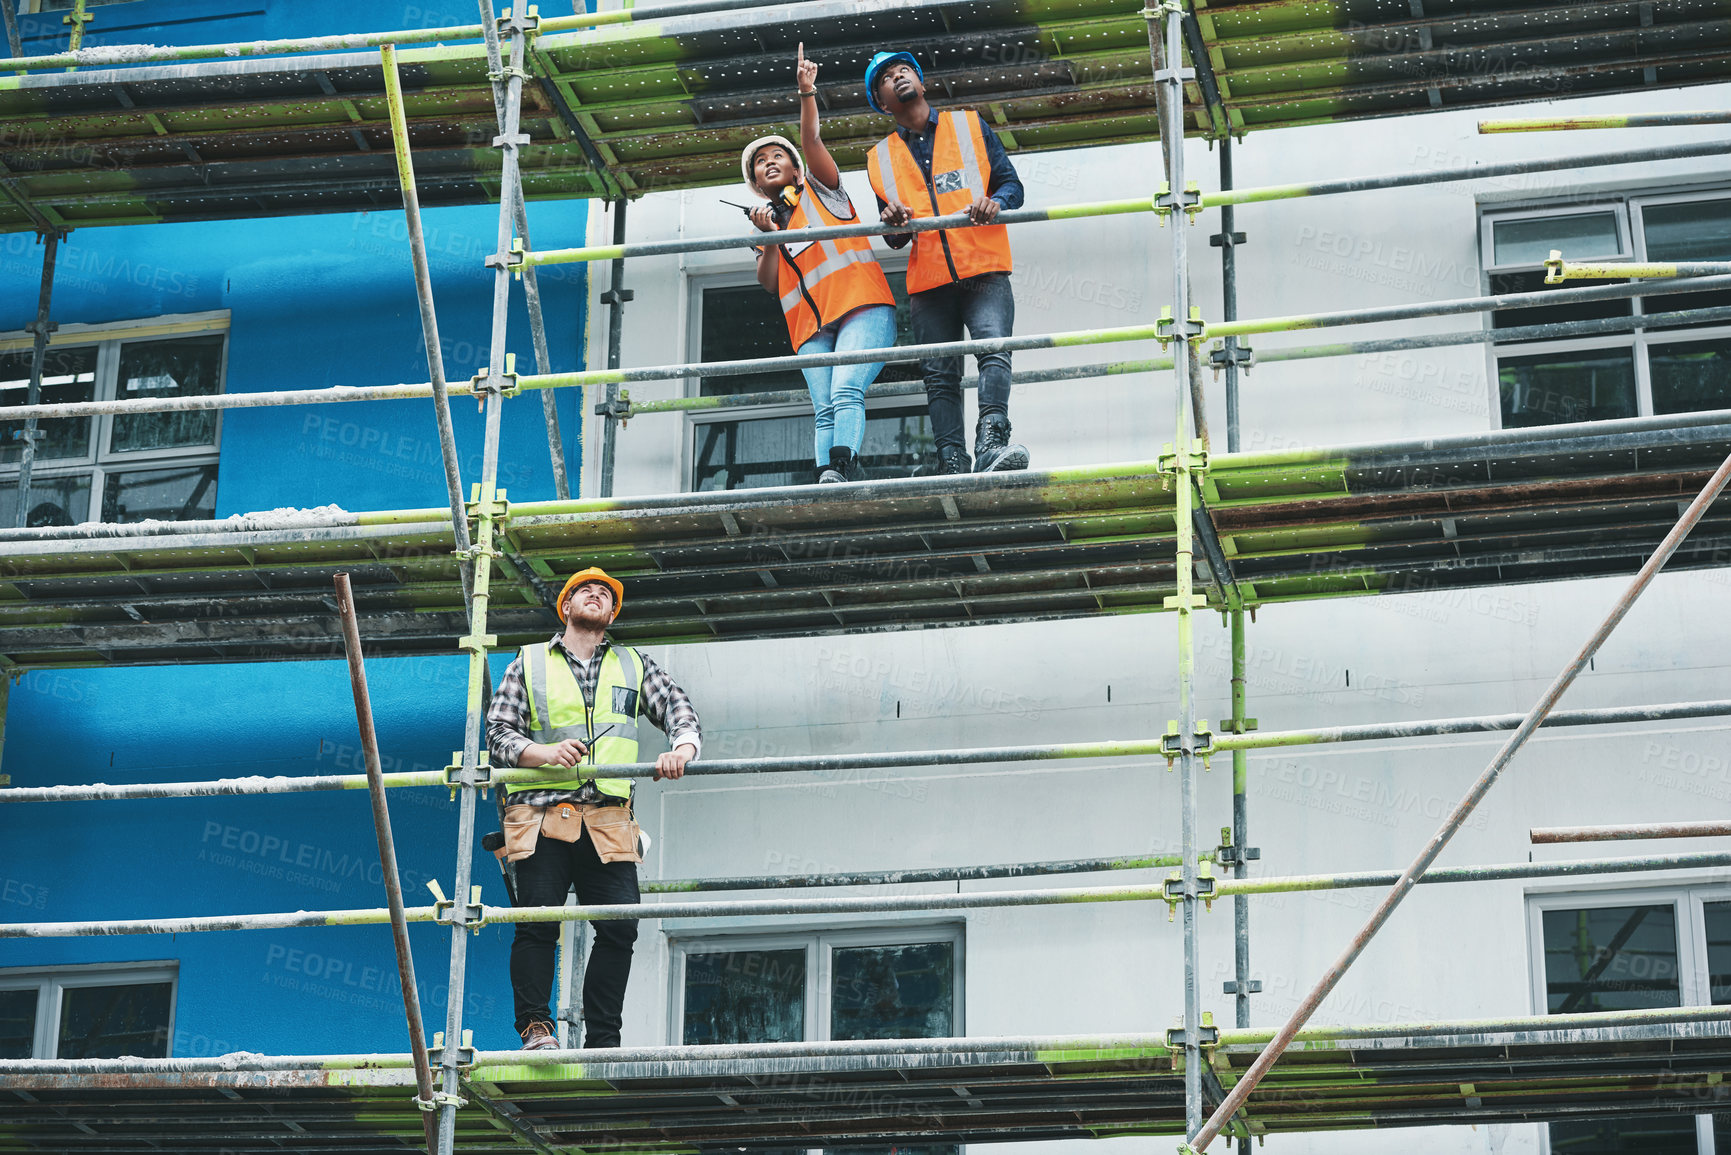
838,392
986,305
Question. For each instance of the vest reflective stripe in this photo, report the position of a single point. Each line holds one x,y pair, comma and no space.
959,148
838,276
558,711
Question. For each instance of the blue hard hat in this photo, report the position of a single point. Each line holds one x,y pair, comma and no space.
883,60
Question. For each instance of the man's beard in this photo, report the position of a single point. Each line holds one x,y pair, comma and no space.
596,618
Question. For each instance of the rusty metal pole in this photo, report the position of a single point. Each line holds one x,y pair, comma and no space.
388,860
39,330
1462,811
1541,835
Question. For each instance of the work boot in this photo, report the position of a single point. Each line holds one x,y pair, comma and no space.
993,449
953,460
539,1037
843,466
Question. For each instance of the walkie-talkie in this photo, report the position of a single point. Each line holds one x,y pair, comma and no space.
781,208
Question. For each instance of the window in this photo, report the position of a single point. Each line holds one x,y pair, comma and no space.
879,982
87,1012
1650,369
118,468
872,983
1628,950
773,446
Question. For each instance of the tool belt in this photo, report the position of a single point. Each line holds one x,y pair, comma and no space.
612,829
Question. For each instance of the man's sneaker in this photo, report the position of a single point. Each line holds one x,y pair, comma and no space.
828,476
993,449
953,460
539,1037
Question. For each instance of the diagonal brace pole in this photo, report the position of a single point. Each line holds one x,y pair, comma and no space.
1462,811
388,861
429,318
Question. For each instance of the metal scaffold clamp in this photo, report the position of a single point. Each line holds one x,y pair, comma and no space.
473,915
619,408
465,1054
1231,353
1227,854
1175,891
1190,200
457,777
1169,328
528,23
483,383
514,259
1167,463
1201,742
1207,1035
439,1099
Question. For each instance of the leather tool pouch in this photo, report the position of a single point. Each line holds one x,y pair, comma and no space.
614,832
522,832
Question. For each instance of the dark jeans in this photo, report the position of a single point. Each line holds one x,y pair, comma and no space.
543,880
987,307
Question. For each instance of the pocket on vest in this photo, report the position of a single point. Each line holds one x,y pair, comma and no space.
625,701
522,832
614,833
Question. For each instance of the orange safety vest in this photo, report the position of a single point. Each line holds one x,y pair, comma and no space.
825,280
960,176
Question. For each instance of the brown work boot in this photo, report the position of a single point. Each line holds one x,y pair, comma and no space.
539,1037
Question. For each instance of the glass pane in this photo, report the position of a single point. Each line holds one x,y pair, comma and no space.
67,375
1718,919
1693,376
53,500
1610,958
1666,1135
778,450
893,992
745,996
18,1023
1689,231
186,367
1534,282
742,321
184,493
1591,385
1578,237
107,1022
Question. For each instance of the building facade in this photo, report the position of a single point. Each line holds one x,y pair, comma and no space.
297,302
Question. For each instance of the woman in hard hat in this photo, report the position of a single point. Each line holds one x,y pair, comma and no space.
832,293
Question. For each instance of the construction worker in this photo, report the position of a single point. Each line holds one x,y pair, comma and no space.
832,293
572,700
938,164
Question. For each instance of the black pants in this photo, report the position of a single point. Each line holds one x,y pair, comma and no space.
986,306
543,880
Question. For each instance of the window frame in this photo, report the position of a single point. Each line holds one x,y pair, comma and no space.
820,944
51,984
1688,898
1629,210
698,283
99,463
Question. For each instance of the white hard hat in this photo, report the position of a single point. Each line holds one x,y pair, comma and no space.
750,154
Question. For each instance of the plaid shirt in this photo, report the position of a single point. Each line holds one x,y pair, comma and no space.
664,704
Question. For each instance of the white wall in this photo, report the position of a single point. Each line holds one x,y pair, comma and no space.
1452,952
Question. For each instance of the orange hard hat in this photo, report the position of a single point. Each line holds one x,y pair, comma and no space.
593,574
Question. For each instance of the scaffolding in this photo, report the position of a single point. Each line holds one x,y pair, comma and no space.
1150,535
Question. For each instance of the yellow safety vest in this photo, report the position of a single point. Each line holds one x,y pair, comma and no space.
557,711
